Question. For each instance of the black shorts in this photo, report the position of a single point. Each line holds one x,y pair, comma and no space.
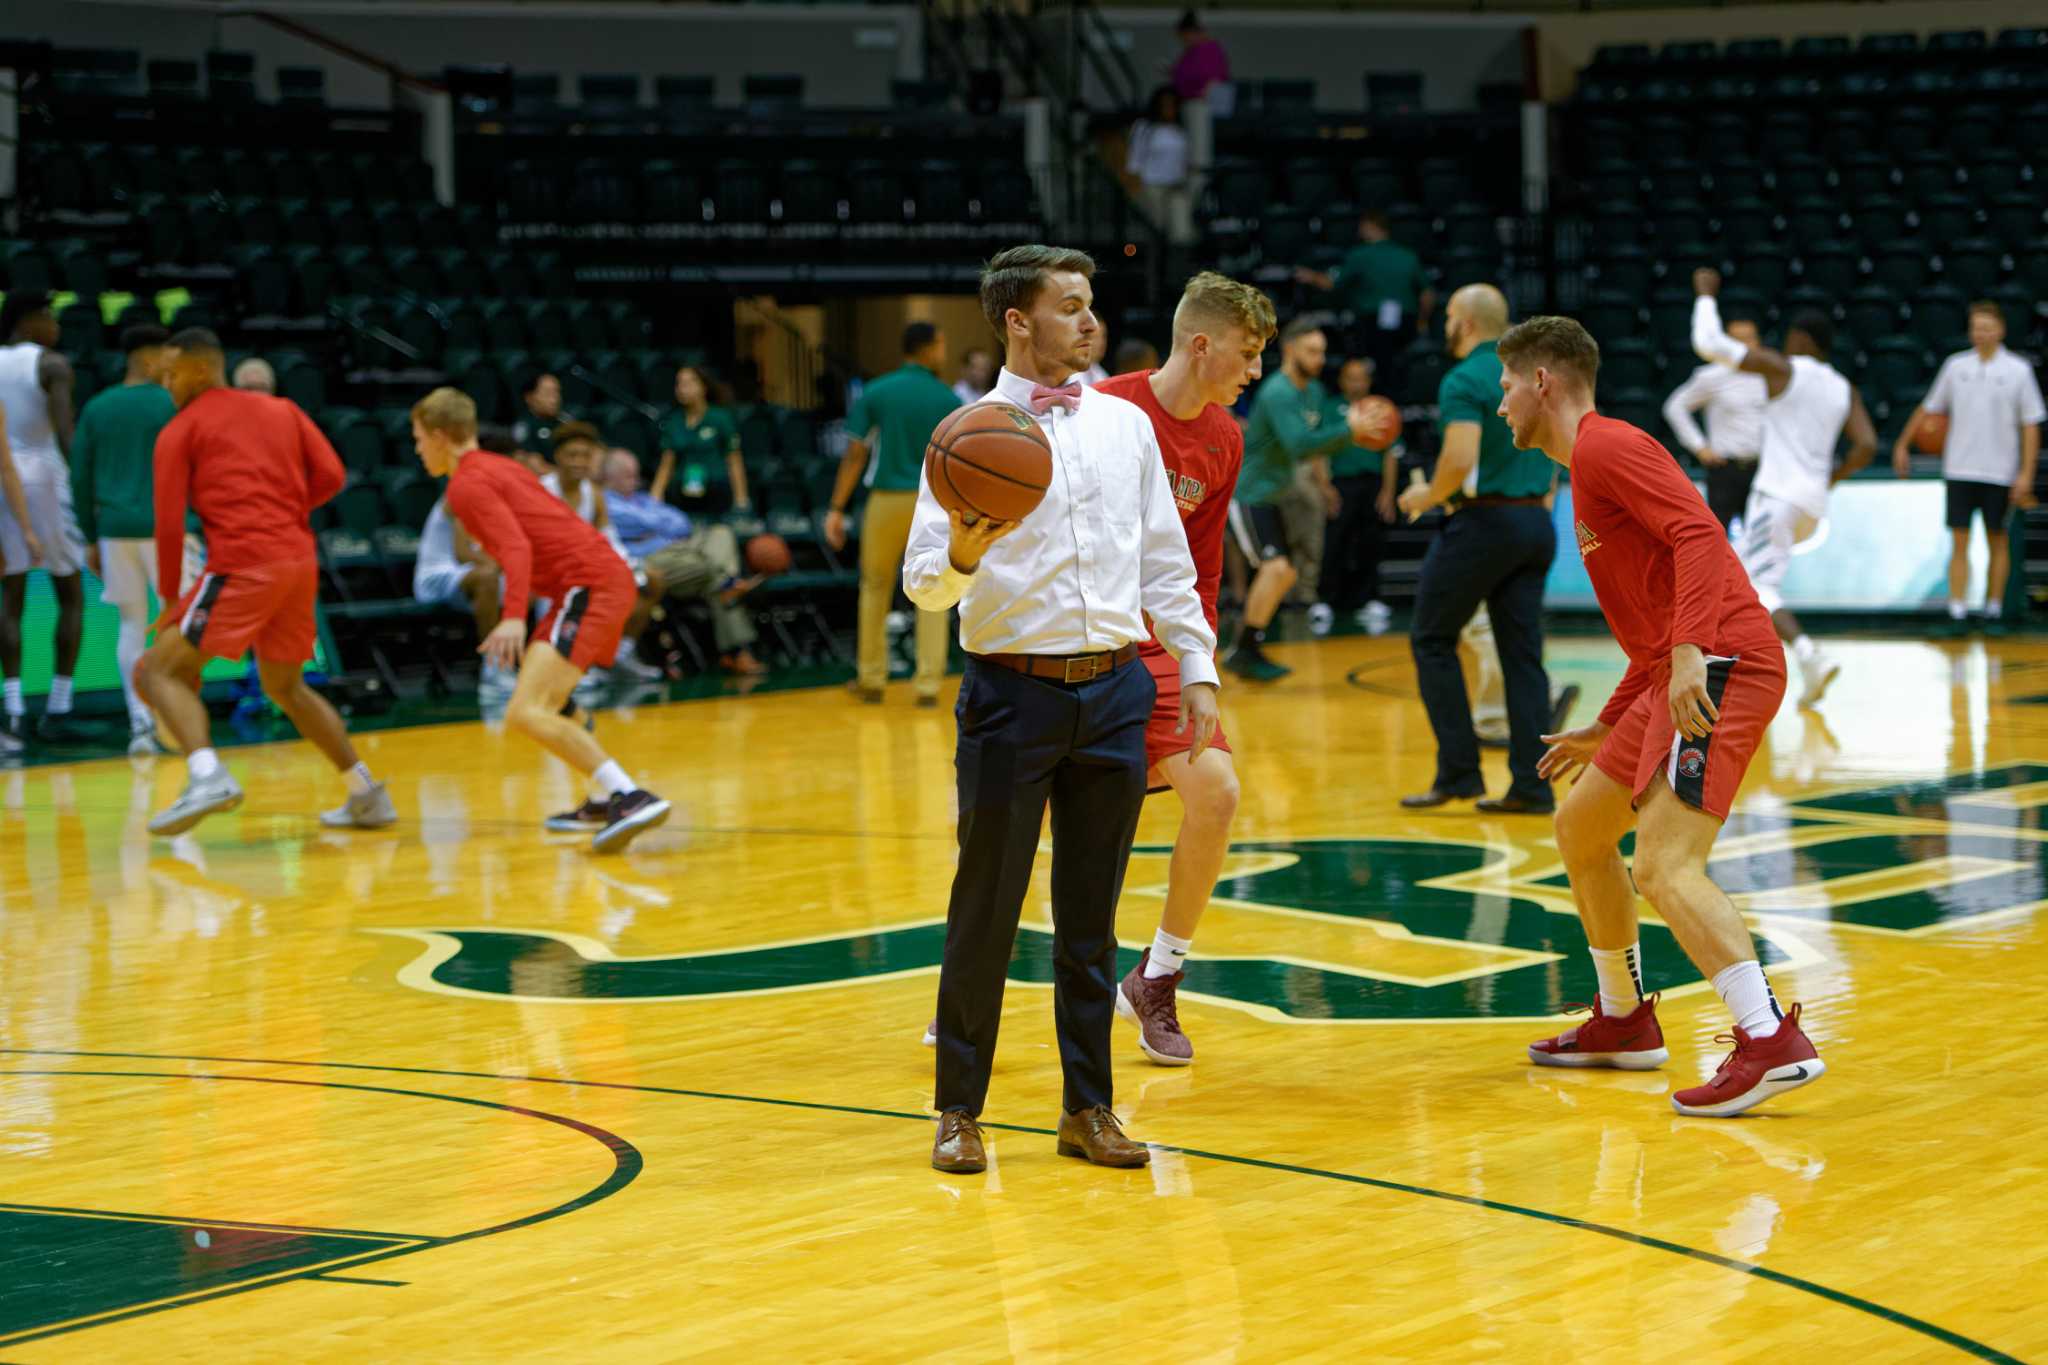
1260,532
1967,495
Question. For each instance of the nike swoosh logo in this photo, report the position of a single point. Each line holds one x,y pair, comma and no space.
1798,1074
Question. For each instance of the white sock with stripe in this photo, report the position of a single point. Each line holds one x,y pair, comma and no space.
1621,978
58,703
1747,995
1168,955
12,690
358,779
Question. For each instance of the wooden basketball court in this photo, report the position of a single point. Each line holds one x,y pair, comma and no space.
461,1092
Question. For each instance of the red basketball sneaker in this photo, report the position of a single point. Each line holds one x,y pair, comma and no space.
1758,1069
1632,1042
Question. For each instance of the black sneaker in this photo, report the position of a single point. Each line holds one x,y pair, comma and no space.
626,815
60,727
588,818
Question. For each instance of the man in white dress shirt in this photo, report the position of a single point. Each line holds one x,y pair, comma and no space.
1054,703
1993,403
1734,402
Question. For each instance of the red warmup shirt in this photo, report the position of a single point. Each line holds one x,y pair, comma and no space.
253,467
1203,456
537,539
1660,564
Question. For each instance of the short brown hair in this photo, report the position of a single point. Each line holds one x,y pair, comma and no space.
1213,300
1987,306
1557,344
578,431
1013,278
451,412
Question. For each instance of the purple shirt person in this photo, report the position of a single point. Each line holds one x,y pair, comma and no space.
1202,62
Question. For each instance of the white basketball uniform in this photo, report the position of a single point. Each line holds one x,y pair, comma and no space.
1795,466
45,477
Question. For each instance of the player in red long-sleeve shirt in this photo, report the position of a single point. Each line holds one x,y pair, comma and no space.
254,468
544,547
1706,675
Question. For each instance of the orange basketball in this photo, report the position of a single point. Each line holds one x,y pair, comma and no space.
1381,418
768,554
989,460
1932,433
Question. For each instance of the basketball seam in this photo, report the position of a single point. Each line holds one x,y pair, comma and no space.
992,473
957,494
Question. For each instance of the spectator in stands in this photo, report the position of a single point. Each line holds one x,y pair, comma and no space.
699,439
534,431
113,493
977,376
1156,167
893,419
1380,283
1367,482
1135,354
1734,400
1202,71
255,375
452,570
678,560
1993,403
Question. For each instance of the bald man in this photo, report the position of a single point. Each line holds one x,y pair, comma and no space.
1494,550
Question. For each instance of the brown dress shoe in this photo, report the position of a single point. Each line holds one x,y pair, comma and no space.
958,1148
1094,1133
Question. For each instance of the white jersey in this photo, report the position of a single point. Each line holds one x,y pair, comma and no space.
1801,427
28,407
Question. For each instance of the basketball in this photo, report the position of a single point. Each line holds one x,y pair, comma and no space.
768,554
989,460
1932,433
1380,417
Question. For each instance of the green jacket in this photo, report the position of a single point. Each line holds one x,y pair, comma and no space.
113,461
894,416
1287,425
1471,393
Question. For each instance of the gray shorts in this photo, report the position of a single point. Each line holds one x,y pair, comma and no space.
47,485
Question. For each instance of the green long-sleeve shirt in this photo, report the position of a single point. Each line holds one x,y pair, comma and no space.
1288,424
113,471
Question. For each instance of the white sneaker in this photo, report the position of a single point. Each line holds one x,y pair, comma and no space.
1817,672
371,810
632,666
199,800
1320,618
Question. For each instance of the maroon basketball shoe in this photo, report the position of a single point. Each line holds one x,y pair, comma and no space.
1756,1070
1631,1042
1149,1003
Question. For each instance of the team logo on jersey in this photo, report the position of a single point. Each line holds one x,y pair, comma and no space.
1692,762
1588,542
1188,491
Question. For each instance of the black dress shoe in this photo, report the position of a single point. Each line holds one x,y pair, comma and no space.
1515,805
1435,796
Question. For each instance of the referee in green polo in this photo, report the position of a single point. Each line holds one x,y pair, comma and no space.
1494,548
1381,284
893,420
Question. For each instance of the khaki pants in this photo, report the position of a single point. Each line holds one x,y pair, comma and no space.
701,567
884,535
1307,519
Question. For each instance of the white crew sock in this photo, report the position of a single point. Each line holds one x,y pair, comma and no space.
202,764
128,646
12,689
610,780
1957,610
1621,978
58,703
1993,610
359,780
1803,649
1747,995
1168,955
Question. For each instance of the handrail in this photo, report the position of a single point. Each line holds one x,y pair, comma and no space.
389,70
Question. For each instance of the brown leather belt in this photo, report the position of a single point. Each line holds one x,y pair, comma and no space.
1063,668
1502,502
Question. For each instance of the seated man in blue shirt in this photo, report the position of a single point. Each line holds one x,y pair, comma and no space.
682,561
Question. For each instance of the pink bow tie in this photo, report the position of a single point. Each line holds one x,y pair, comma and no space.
1067,395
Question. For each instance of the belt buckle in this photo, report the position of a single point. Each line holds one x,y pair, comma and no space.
1086,663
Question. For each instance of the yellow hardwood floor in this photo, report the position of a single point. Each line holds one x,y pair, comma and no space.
460,1092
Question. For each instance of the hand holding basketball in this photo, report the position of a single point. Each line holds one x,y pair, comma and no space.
1374,422
971,539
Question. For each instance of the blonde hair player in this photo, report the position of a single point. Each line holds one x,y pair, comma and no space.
1669,749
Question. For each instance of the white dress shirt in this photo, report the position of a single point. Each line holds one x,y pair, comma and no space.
1080,574
1987,402
1734,401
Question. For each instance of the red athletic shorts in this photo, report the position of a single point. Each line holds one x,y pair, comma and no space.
268,608
1160,740
1703,773
585,624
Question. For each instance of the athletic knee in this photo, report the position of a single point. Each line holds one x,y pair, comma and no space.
1212,805
1579,841
1657,873
529,717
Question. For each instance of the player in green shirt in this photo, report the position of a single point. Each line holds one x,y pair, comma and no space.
892,422
1293,420
113,494
698,441
1495,551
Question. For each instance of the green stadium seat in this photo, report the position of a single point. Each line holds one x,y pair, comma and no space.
1925,174
1992,172
2016,219
1946,218
1970,266
1871,314
1798,176
1940,321
1904,266
302,381
1879,221
1863,174
359,509
1763,268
